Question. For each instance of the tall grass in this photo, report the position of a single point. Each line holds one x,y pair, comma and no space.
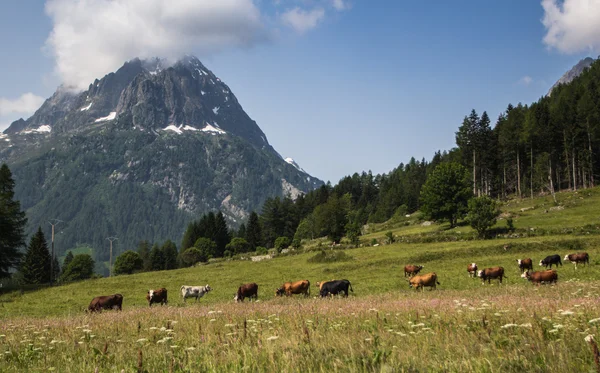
492,329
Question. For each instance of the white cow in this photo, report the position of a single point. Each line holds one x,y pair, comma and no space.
194,291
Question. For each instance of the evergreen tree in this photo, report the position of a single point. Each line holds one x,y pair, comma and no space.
254,231
446,193
242,231
157,261
144,250
221,234
169,252
36,263
12,224
68,259
190,236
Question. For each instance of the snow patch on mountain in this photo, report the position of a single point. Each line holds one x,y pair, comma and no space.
111,116
216,110
41,129
87,107
211,129
293,163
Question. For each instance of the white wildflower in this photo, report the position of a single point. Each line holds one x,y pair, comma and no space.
527,325
212,320
191,348
593,321
272,338
142,340
567,313
553,331
506,326
174,346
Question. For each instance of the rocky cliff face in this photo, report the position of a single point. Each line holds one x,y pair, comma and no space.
573,73
140,153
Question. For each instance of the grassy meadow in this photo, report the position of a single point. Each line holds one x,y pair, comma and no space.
463,326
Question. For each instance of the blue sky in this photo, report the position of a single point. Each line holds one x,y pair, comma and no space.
341,86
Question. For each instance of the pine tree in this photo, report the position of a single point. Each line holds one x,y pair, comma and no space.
68,259
221,234
169,252
254,231
144,250
242,231
36,264
157,262
12,224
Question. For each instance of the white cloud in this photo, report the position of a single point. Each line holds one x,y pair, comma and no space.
526,80
26,104
303,20
340,5
572,26
91,38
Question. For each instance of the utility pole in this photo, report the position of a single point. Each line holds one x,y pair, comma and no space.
53,222
111,239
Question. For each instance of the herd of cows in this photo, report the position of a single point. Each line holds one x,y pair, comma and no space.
497,273
250,291
341,287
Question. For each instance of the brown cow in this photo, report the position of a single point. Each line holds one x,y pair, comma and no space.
247,291
157,296
420,281
472,269
578,258
525,264
491,273
106,302
297,287
547,276
412,270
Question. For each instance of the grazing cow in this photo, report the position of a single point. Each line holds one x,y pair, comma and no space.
525,264
335,287
412,270
194,291
421,281
540,277
578,258
551,259
472,269
157,296
246,291
320,284
297,287
491,273
106,302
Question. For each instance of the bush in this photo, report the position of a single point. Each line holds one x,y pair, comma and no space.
261,250
282,243
510,225
192,256
238,246
128,262
80,267
390,237
296,243
227,254
330,257
207,247
373,241
482,215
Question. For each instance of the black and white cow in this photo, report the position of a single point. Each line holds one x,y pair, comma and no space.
194,291
550,260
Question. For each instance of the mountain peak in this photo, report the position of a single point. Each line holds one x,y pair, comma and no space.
573,73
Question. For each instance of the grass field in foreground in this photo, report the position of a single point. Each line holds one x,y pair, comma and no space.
487,329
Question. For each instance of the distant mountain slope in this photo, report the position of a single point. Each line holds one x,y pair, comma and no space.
573,73
142,152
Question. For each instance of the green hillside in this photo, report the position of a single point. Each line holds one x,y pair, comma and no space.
372,270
